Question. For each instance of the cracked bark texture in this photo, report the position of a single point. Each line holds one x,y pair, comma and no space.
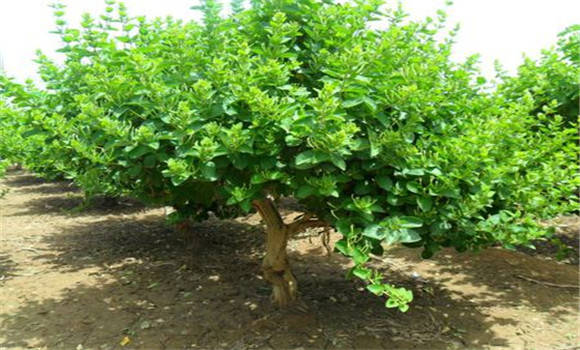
276,266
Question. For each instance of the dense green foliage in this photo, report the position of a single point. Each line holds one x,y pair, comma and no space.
376,132
553,80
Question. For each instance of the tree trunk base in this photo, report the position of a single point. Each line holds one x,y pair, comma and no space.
275,266
284,285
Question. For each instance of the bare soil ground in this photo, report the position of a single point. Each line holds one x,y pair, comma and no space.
117,277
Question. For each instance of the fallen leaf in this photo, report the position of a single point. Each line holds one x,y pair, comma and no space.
125,341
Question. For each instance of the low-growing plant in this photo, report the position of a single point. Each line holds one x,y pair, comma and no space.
376,132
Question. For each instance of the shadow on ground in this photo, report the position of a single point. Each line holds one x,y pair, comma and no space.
21,178
7,267
63,198
155,289
74,205
162,292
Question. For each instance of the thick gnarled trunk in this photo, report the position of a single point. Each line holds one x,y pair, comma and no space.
276,266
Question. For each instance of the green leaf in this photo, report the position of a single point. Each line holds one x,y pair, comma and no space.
208,170
257,179
370,104
413,172
359,257
240,161
425,203
409,137
435,172
150,160
228,108
338,162
246,206
383,119
216,110
139,151
134,171
292,141
362,272
267,163
392,237
306,158
154,144
408,236
375,231
410,221
452,193
376,247
509,247
393,199
343,247
362,188
376,289
385,182
414,187
352,102
309,158
305,191
391,303
343,226
32,132
375,150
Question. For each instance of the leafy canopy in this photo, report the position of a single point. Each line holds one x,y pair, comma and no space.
375,131
552,80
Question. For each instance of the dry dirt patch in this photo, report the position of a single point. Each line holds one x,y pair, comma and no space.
93,278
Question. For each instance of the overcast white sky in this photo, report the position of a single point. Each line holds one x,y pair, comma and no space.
497,29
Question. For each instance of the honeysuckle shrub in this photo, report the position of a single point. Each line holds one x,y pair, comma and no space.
18,142
376,132
552,80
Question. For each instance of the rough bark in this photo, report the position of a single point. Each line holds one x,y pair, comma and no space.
276,267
